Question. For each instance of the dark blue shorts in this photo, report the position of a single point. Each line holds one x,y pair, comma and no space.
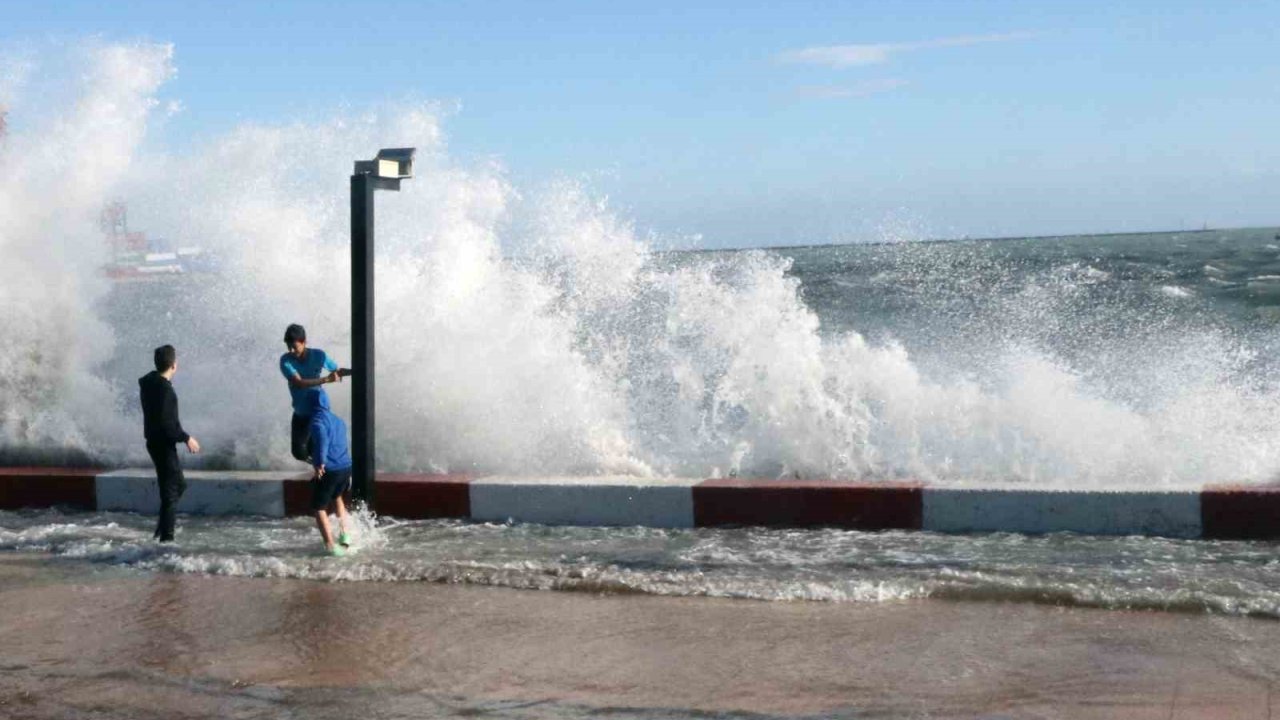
328,488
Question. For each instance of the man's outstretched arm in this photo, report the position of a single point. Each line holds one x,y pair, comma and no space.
297,381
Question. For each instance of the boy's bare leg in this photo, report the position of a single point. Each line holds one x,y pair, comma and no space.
342,515
322,522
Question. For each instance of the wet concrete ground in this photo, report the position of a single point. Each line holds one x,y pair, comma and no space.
87,641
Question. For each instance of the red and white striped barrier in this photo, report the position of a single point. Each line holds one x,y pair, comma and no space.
1215,511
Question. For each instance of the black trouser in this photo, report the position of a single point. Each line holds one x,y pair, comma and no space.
172,485
300,438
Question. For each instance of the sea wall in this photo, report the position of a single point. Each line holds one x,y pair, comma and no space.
1214,511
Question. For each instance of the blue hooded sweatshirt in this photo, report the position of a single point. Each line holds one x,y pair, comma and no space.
328,435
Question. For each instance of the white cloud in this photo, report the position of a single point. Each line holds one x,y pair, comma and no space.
842,56
862,89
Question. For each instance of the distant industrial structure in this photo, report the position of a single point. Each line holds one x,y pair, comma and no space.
134,256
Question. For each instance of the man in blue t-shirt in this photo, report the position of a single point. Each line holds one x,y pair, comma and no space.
305,368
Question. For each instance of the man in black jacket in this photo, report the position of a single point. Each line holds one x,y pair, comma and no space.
164,430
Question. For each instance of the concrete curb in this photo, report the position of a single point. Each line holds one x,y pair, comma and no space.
1215,511
1113,512
652,502
208,492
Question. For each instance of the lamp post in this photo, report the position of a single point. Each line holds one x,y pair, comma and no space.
384,172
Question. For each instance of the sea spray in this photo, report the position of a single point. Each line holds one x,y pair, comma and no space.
57,165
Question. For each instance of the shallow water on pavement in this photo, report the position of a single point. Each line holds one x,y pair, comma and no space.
1226,577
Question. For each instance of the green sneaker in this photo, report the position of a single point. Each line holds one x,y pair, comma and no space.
337,551
344,540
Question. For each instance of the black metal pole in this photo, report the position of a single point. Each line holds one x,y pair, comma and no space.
362,406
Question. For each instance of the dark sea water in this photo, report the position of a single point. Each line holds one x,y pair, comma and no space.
1099,304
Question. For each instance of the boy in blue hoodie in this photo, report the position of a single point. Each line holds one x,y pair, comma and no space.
332,463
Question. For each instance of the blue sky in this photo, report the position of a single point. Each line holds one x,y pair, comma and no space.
756,123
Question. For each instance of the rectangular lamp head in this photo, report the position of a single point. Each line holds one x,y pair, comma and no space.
395,163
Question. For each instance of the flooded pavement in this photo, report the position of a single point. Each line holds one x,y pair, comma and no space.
766,564
86,640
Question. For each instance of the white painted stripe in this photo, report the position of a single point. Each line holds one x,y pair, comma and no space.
619,501
1167,513
208,492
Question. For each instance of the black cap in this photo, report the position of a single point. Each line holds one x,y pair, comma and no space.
295,333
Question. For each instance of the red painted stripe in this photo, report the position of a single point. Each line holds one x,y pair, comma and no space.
808,503
297,495
417,496
28,487
411,496
1240,512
